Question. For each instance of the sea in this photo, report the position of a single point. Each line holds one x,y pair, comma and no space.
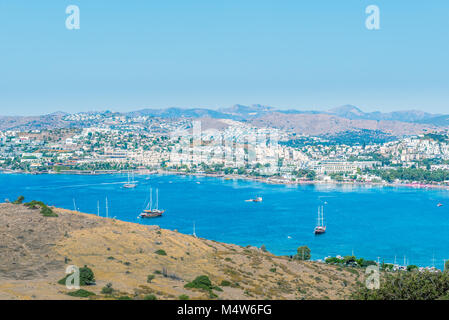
382,223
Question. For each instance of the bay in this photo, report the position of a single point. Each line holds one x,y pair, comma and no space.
373,222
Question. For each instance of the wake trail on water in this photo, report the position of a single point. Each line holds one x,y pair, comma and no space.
76,185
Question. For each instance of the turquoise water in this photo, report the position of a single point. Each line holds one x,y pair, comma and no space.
370,221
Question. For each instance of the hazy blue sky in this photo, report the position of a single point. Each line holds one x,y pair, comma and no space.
188,53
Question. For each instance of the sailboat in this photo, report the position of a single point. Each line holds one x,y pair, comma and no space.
320,227
258,199
149,212
130,184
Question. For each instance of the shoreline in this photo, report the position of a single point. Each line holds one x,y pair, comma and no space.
266,180
239,177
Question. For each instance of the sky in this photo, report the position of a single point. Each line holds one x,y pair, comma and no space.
297,54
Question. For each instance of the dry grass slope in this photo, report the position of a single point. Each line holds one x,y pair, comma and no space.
35,251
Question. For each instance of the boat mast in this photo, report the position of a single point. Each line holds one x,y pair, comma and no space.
107,209
318,218
322,216
98,208
151,199
157,199
74,204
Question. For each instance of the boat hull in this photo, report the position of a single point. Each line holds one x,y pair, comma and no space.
319,230
151,214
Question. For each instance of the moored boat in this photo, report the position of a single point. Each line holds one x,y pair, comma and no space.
258,199
149,212
130,184
320,227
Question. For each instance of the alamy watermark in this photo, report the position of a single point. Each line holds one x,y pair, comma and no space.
373,277
72,22
372,22
72,281
247,146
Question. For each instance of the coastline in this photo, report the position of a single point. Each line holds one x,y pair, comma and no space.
173,259
166,175
266,180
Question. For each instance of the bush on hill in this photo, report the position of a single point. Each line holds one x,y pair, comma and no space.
86,277
19,200
46,211
81,293
303,253
408,286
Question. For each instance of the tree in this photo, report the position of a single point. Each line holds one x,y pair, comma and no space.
412,267
86,277
303,253
19,200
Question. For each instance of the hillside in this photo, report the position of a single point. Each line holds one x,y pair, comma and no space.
333,121
319,124
35,251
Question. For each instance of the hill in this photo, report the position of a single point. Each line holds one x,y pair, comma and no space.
321,124
333,121
35,251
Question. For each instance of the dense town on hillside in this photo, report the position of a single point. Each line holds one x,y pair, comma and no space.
202,146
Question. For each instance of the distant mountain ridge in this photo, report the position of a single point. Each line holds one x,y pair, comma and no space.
179,113
343,118
353,113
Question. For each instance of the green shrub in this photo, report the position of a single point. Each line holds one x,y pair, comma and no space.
200,282
366,263
86,277
107,289
303,253
183,297
45,210
124,298
225,283
273,270
150,278
48,212
387,266
161,252
349,259
19,200
408,286
150,297
81,293
412,267
333,260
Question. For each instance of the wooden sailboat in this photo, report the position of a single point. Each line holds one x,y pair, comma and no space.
320,227
130,184
149,212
